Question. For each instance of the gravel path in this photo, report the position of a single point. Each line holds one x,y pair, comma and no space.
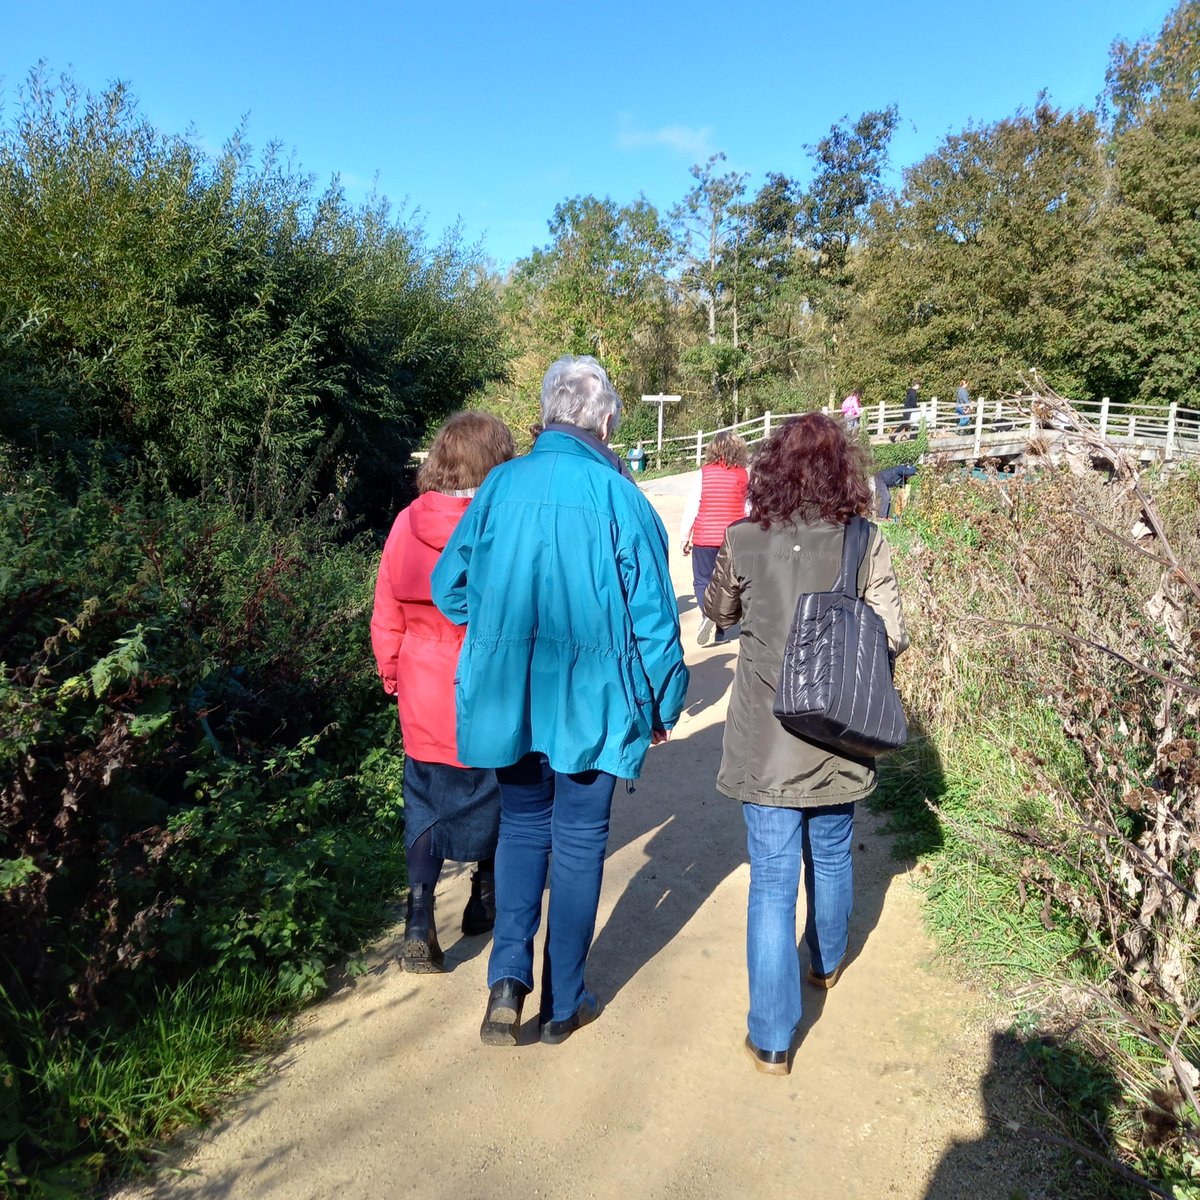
386,1091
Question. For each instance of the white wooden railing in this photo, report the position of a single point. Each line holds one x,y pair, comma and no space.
1169,431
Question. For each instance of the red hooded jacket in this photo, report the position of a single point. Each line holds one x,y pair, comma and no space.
416,648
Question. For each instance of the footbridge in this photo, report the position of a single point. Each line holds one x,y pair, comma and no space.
993,429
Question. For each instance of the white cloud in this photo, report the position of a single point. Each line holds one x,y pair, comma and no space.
353,181
683,139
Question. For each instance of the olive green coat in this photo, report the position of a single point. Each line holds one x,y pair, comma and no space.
759,576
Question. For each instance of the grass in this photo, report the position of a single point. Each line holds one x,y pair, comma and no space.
953,801
113,1096
974,906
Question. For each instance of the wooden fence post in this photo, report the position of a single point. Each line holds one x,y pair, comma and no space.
979,426
879,430
933,405
766,425
1172,412
1104,416
699,447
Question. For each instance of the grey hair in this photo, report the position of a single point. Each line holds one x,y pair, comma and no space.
576,391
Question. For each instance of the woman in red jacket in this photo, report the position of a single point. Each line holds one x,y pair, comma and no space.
717,499
450,811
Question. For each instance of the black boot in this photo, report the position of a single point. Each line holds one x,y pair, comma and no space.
422,954
502,1019
480,914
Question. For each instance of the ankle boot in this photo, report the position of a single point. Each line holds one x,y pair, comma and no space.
421,954
480,914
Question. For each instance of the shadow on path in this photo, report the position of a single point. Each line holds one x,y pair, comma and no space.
699,839
1017,1156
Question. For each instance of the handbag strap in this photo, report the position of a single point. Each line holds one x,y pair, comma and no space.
854,548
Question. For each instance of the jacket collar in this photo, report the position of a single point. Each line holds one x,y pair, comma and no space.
590,440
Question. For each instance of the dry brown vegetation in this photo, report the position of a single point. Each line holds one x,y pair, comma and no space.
1057,640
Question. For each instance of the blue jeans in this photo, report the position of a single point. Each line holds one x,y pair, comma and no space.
556,823
780,840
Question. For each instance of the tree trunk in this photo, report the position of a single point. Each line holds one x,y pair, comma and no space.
735,338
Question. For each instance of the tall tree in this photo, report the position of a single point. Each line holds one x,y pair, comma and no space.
1144,291
975,268
849,164
598,288
710,229
773,278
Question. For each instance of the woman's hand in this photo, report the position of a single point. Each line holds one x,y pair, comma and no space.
686,546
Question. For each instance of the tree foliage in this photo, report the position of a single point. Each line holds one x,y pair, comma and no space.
205,366
221,320
834,213
1146,76
598,288
1143,334
974,268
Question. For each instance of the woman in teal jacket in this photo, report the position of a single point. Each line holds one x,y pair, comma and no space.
571,669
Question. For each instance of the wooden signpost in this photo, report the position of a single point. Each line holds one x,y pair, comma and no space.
660,401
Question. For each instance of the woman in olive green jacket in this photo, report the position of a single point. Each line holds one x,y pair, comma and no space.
797,796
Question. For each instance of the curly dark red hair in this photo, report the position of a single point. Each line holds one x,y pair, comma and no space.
809,470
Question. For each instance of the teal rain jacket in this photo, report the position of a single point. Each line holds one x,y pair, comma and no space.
559,571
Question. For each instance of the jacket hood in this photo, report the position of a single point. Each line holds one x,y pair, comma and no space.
433,516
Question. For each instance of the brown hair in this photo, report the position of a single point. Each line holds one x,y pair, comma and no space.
808,467
465,449
727,449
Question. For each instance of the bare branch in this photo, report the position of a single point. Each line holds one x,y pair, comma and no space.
1077,1147
1075,640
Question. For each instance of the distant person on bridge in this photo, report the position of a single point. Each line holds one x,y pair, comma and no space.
912,405
450,811
852,410
962,404
572,668
797,796
717,499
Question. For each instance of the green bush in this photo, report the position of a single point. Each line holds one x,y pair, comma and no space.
199,776
905,452
249,336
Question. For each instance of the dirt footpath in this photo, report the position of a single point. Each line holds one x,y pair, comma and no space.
386,1091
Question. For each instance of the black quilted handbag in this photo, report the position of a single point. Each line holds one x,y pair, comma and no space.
835,687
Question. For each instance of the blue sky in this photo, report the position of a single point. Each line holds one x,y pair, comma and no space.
489,114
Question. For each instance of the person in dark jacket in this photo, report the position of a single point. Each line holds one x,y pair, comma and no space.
797,796
962,404
450,811
572,668
912,406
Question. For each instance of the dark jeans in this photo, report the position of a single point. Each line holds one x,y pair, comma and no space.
704,560
557,824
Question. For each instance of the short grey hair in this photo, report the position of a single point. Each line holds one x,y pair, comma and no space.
576,391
